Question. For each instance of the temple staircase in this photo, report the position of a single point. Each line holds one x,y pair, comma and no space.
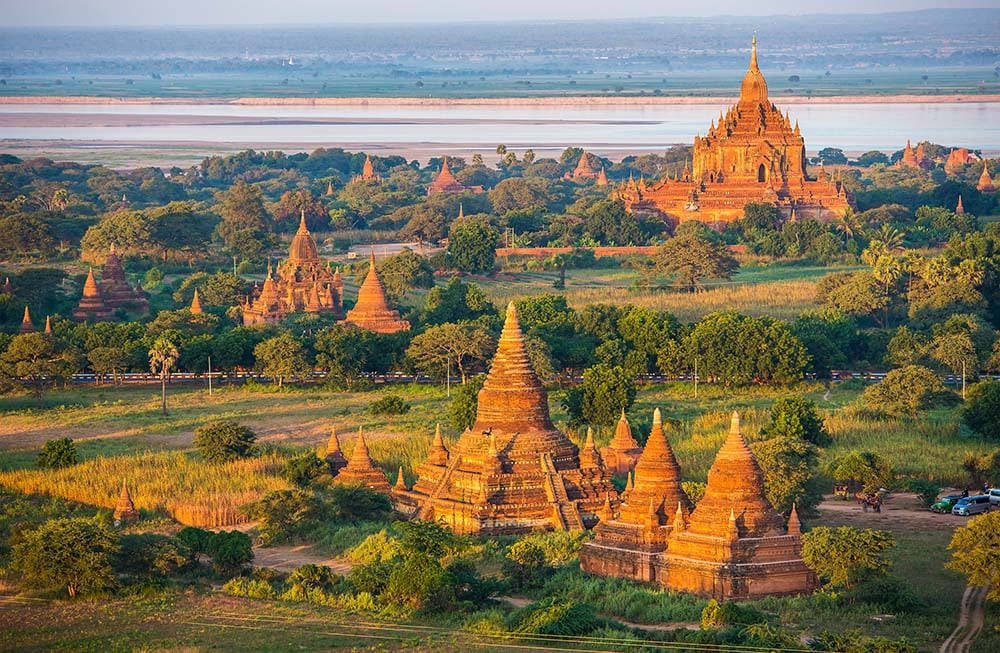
564,511
427,509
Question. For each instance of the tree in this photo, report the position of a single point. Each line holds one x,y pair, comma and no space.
107,360
464,403
846,556
906,391
35,360
607,391
162,357
246,226
760,218
519,193
608,222
860,294
281,357
73,553
404,272
690,258
56,454
832,156
796,417
230,550
982,409
219,289
434,350
789,465
224,441
975,552
862,467
456,301
472,245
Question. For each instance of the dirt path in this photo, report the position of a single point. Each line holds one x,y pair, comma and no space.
288,558
900,511
970,621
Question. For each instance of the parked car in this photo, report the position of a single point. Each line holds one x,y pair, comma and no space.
994,495
946,503
972,505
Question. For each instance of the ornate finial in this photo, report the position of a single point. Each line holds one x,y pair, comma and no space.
794,526
400,483
753,51
302,220
679,518
734,422
657,418
628,483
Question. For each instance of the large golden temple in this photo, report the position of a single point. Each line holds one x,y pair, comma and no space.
753,154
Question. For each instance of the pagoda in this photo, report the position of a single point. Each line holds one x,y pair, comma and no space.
985,184
957,159
115,291
602,178
583,171
125,509
754,154
361,470
334,456
372,311
26,324
445,182
92,305
302,283
512,471
959,209
733,545
195,308
368,172
622,453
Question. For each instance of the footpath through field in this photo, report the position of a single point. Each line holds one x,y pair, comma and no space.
970,621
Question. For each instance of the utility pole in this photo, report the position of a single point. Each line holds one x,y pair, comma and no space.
696,378
209,376
234,266
448,377
963,380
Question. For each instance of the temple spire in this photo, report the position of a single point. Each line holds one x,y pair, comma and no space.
195,304
794,525
48,324
26,324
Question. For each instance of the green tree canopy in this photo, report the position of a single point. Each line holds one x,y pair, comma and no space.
846,556
223,441
70,553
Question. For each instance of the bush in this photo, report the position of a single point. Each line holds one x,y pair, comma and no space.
552,616
377,547
309,577
388,405
56,454
352,503
889,592
71,553
251,588
152,554
846,556
729,613
462,409
796,417
695,490
422,583
907,391
224,441
982,409
230,551
303,470
523,564
285,514
195,539
926,490
373,577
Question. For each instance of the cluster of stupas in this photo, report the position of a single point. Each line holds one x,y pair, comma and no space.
583,172
27,326
372,311
754,154
100,300
445,182
622,453
914,158
301,283
512,471
360,469
958,158
732,545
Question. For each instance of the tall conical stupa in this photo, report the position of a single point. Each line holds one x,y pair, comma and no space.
361,469
372,311
92,305
27,326
512,471
125,509
622,453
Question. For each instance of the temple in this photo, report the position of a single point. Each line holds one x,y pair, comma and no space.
622,453
583,171
985,184
125,509
302,283
602,178
957,159
361,470
916,159
368,172
372,311
753,155
92,305
27,326
512,471
445,182
959,209
334,456
195,308
733,545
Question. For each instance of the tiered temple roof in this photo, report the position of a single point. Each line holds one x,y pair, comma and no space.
445,182
361,470
92,305
623,451
957,159
602,178
512,471
734,545
372,311
125,509
368,171
302,282
914,158
583,171
985,184
754,154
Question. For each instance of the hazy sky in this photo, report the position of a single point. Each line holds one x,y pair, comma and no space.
260,12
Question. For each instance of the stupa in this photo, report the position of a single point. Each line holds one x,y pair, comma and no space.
602,178
92,305
302,282
736,545
334,455
116,292
445,182
626,540
957,159
753,155
368,171
361,470
959,209
372,311
622,453
512,471
195,308
985,184
26,325
8,287
583,171
125,509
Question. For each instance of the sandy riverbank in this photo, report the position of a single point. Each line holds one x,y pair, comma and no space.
513,101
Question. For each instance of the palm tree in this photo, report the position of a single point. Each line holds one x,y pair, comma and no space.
162,357
848,224
891,237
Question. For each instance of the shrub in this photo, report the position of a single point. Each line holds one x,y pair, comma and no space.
251,588
846,556
694,489
420,582
796,417
352,503
285,514
71,553
303,470
310,577
377,547
224,441
152,554
462,409
195,539
371,578
524,563
56,454
552,616
427,537
889,592
906,392
230,551
728,613
982,409
388,405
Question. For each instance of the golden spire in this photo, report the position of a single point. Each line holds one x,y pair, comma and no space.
195,304
90,285
26,325
48,324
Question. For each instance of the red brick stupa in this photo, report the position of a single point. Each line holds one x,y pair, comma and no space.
27,326
985,184
372,311
116,292
303,283
957,159
512,471
583,171
368,171
125,509
92,306
334,455
622,453
753,155
445,182
361,470
195,308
